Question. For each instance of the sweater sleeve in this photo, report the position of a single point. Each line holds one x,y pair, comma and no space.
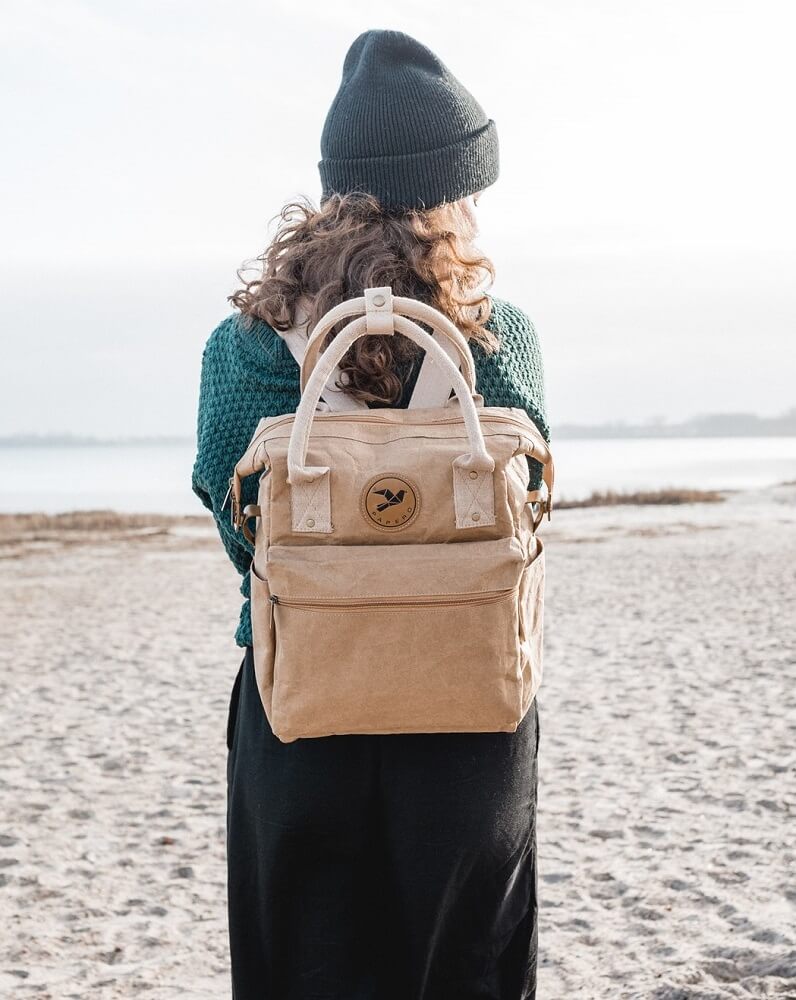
246,374
514,374
218,445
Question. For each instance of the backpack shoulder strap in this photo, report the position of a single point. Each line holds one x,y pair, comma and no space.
433,387
296,339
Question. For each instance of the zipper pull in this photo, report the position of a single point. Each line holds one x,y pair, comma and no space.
272,601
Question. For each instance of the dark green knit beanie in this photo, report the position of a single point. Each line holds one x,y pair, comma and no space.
403,128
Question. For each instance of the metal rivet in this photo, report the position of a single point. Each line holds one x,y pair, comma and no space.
473,475
378,300
310,522
475,516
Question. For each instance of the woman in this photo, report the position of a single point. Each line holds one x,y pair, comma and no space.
371,867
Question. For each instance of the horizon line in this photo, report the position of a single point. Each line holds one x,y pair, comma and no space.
727,424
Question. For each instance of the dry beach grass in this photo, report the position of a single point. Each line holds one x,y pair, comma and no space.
668,718
644,498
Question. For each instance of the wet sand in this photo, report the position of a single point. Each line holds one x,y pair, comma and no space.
667,839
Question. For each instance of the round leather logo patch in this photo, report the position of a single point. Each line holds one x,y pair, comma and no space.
390,501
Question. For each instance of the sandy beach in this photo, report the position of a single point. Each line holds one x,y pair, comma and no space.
667,841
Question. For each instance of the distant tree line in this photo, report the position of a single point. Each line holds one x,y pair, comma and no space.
708,425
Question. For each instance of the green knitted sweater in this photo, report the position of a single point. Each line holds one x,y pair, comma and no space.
248,372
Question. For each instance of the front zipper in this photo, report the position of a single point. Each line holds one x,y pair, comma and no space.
400,603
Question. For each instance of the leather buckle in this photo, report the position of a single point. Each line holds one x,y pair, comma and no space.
234,509
250,510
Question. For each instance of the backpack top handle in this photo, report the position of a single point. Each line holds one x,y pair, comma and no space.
478,458
381,308
310,485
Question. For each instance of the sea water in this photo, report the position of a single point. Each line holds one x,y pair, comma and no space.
157,478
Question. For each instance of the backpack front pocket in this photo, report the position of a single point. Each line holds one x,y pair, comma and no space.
395,638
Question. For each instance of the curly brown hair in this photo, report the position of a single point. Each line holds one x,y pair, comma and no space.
327,254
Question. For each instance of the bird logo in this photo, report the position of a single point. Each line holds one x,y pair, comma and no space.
390,501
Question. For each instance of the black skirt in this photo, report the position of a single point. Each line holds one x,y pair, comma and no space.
368,867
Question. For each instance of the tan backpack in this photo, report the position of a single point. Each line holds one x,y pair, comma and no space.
397,582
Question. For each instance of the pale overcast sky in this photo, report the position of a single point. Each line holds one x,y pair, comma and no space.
644,217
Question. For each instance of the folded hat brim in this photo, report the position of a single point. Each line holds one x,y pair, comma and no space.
419,180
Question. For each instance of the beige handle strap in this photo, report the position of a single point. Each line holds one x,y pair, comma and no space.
381,313
478,459
473,488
